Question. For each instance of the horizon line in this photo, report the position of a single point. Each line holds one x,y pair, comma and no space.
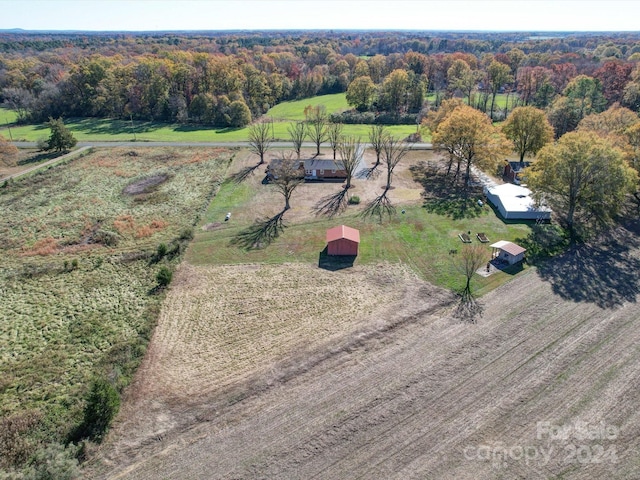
53,30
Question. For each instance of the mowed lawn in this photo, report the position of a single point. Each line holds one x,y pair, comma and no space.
417,237
7,116
107,130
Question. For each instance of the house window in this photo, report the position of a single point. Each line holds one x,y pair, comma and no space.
321,172
333,171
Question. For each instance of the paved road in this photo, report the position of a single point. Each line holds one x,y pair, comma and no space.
412,146
86,145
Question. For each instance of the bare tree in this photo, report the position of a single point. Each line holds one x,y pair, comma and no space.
260,138
317,124
334,133
20,100
297,131
394,151
377,135
470,259
350,154
286,176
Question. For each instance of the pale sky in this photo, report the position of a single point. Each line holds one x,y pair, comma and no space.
510,15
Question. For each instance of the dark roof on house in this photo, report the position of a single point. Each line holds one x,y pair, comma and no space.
342,231
317,164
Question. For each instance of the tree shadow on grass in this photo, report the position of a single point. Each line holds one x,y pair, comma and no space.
260,234
39,157
332,205
113,127
335,262
205,128
602,272
379,207
443,198
243,174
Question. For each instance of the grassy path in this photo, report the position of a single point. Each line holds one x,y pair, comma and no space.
49,163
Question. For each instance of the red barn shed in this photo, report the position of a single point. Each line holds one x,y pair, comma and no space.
343,240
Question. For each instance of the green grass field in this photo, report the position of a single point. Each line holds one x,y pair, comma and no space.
294,110
420,237
7,116
417,238
100,130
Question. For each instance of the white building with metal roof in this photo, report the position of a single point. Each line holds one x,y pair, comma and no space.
514,202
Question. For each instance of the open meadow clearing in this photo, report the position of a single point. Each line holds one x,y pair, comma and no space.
79,243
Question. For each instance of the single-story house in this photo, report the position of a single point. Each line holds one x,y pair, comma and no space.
508,251
514,171
314,169
324,169
343,240
515,202
275,164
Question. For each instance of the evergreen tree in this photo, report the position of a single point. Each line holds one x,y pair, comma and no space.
61,139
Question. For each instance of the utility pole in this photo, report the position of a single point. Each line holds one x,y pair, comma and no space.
9,128
132,129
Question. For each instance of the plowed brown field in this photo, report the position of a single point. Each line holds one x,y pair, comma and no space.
383,382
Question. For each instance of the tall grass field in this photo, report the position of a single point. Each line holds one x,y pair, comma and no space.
81,250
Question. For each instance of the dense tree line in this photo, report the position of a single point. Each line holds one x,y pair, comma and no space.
232,78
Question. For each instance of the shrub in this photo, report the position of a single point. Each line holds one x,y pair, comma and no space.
102,406
42,143
354,200
162,251
15,446
54,462
186,234
106,237
164,276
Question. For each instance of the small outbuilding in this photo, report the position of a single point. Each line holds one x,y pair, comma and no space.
514,171
508,252
343,240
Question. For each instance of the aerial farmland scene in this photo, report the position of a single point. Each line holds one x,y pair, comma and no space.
319,240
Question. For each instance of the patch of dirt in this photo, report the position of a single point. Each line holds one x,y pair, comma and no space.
211,226
145,185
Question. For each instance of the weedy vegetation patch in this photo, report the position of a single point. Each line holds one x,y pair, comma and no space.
82,245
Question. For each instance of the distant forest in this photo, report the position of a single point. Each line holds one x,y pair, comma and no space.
231,78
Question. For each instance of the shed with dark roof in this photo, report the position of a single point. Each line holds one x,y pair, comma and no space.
343,240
